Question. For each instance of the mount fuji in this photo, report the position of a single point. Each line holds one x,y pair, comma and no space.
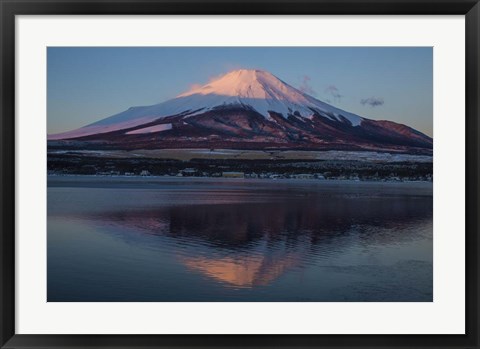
248,109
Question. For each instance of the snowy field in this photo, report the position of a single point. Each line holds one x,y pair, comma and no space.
187,154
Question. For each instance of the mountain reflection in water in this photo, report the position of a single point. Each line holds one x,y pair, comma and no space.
356,242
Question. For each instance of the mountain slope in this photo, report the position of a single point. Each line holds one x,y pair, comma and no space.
248,109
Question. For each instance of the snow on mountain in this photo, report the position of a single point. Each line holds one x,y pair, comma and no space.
151,129
265,92
252,89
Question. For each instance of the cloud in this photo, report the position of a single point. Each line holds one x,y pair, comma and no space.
194,86
215,77
333,91
211,78
306,87
372,101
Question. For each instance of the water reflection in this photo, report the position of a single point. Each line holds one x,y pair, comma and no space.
197,240
254,242
242,272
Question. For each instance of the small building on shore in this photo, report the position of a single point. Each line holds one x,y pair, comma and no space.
303,176
189,172
233,174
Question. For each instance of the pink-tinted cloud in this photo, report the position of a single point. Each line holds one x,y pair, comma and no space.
194,86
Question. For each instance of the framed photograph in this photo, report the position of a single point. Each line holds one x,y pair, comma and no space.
224,174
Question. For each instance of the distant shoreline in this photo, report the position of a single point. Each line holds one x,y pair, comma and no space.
215,163
200,178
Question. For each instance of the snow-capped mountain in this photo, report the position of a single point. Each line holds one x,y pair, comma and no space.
248,109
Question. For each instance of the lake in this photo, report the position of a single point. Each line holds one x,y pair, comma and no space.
166,239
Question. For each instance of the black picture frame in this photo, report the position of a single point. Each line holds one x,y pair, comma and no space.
10,8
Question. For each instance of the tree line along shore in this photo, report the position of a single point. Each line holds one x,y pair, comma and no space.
67,164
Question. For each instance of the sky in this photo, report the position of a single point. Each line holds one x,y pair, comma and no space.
87,84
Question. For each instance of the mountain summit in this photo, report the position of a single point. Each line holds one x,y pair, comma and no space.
249,109
249,84
264,92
